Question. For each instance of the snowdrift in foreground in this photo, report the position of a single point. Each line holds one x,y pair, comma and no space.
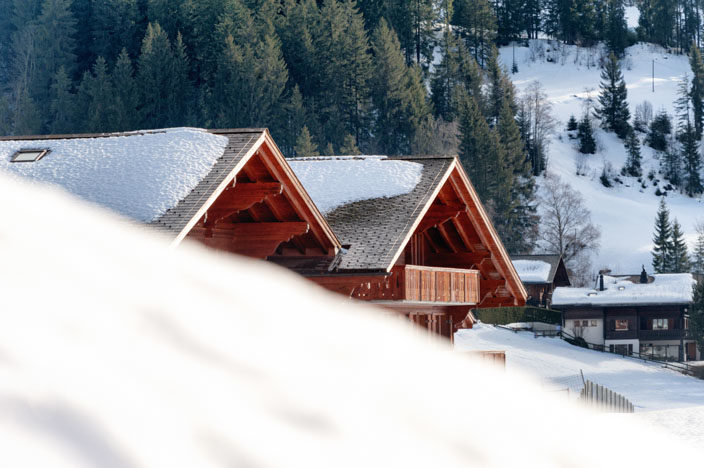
626,212
116,351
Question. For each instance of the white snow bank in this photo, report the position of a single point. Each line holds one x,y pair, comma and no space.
120,352
532,271
674,288
336,181
647,385
686,423
140,176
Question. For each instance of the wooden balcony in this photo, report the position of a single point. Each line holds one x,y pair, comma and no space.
655,335
422,284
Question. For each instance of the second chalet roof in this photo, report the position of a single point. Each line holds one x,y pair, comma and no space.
371,202
141,175
667,288
536,269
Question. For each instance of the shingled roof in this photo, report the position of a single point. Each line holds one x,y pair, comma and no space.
374,230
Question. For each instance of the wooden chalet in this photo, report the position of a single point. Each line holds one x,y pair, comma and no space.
428,252
646,314
431,254
540,275
242,197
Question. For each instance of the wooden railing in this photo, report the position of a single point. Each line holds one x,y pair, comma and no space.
425,284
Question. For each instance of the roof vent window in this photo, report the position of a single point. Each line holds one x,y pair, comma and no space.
29,155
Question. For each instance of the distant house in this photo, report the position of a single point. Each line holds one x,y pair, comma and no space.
409,234
627,315
416,239
541,274
228,189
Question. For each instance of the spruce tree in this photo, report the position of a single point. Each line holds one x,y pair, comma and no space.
126,98
97,99
678,257
572,124
662,239
696,93
478,151
181,97
692,162
613,105
62,104
698,253
479,22
696,315
155,77
616,33
633,161
660,128
305,146
585,135
349,147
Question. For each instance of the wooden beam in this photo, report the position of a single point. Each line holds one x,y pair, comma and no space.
448,239
241,197
431,242
439,214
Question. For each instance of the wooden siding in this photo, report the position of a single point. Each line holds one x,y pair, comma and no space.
415,283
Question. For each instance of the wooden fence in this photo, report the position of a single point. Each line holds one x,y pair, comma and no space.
603,399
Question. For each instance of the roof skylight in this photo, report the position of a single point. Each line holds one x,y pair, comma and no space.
29,155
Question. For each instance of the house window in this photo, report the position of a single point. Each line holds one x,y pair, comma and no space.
621,325
29,155
585,323
577,324
660,324
593,323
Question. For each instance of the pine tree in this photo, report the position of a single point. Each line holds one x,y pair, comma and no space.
616,33
585,134
304,144
613,106
678,257
62,104
126,98
114,26
398,95
349,147
96,96
663,21
633,161
692,161
479,22
572,124
478,147
696,93
696,315
662,239
413,22
155,77
698,253
660,128
294,118
500,89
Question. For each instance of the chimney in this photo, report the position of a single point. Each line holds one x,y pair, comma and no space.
601,281
643,276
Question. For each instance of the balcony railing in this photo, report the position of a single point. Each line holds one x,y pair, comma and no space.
621,334
647,334
415,283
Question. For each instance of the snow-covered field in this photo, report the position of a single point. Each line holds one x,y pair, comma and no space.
625,212
665,398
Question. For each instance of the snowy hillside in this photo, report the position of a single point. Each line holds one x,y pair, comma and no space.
661,394
625,212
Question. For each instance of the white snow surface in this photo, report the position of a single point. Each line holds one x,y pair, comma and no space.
626,212
532,271
338,180
673,288
557,363
120,352
140,176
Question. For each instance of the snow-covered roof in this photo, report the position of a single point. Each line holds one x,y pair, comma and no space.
338,180
140,175
533,271
672,288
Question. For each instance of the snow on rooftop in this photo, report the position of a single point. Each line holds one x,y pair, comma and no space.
672,288
532,271
141,175
338,180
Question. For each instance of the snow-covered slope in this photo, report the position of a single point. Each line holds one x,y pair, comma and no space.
117,351
647,385
625,212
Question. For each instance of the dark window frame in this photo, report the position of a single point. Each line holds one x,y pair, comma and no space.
42,152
